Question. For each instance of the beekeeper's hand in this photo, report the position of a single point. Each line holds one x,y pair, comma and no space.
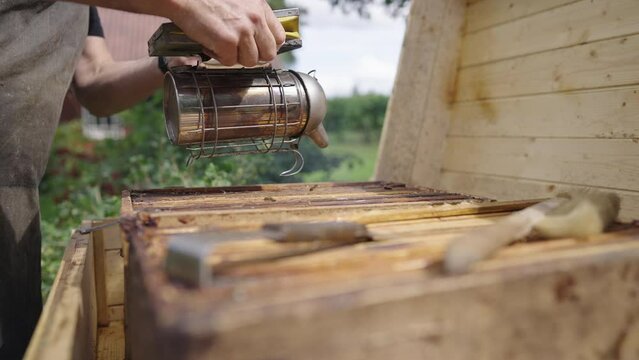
232,31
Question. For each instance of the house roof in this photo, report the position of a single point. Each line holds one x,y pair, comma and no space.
127,34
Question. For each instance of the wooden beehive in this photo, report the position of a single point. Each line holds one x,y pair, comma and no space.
378,300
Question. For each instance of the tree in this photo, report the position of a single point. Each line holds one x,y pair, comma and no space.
356,114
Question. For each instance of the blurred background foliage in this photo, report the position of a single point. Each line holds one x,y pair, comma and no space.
85,178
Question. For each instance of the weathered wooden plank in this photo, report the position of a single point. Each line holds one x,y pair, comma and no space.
578,22
321,187
68,325
317,195
393,244
114,278
610,113
233,198
270,202
197,199
488,13
111,235
390,230
242,195
337,271
327,280
86,343
427,161
116,313
191,221
375,219
111,342
595,65
126,208
420,251
97,238
400,310
610,163
417,116
505,188
41,335
405,323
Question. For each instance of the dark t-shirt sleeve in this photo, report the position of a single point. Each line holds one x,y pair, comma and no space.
95,25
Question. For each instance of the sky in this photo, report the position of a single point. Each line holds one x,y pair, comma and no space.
347,51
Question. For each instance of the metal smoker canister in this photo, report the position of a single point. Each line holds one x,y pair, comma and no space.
243,111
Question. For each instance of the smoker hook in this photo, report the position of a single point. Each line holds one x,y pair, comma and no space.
297,167
190,160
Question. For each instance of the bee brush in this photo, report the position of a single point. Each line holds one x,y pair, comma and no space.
576,214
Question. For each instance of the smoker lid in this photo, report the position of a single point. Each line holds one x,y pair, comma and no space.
317,110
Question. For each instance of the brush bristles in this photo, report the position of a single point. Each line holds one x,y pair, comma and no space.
585,213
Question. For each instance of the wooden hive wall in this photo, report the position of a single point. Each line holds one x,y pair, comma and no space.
545,98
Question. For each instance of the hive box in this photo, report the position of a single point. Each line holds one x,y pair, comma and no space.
384,299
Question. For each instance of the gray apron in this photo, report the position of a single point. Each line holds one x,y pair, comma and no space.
39,44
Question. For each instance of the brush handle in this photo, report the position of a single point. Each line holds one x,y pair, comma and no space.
466,250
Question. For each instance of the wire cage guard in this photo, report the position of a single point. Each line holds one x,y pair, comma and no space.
215,113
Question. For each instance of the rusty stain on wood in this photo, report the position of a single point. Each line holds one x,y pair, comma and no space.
564,290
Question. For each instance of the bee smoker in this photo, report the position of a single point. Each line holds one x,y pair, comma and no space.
243,111
220,111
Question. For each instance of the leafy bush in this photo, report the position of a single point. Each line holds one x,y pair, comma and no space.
360,114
